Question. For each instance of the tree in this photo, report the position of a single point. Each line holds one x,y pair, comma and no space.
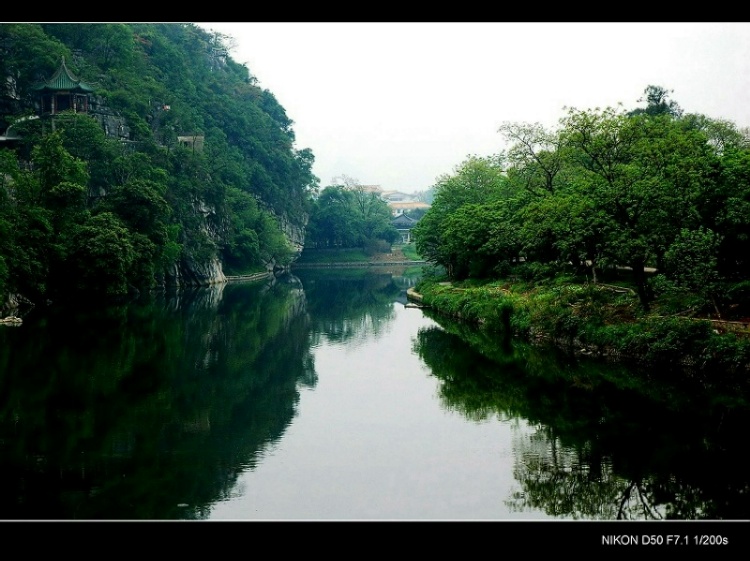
723,135
645,173
84,139
348,215
242,249
27,250
691,261
567,227
101,255
476,181
535,157
140,204
481,240
331,223
53,164
108,43
725,209
658,103
141,207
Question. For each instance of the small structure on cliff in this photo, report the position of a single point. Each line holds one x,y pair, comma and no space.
63,92
192,142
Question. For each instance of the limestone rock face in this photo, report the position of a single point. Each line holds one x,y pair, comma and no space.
191,273
294,231
114,124
12,303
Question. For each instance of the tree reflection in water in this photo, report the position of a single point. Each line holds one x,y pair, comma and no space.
611,443
148,410
153,409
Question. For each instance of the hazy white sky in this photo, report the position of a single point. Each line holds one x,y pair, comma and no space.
400,104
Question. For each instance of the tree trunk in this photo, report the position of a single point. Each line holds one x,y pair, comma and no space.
639,276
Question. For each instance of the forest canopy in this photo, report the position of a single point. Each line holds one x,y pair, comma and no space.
121,202
653,188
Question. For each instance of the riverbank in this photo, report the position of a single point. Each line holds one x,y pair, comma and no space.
249,277
356,264
601,321
353,257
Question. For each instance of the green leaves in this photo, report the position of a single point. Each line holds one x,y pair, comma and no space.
101,255
651,187
461,219
53,164
349,216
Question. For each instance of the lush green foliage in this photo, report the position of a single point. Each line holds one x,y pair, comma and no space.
649,188
454,231
158,204
347,216
595,319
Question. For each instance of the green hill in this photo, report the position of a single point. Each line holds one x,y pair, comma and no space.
170,166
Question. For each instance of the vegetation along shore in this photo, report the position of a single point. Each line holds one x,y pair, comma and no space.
136,157
599,320
621,234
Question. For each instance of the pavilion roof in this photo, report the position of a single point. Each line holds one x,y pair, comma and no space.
64,80
403,220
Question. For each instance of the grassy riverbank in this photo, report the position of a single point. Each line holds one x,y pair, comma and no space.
356,256
602,320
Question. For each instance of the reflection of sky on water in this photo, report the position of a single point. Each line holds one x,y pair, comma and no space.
373,441
230,411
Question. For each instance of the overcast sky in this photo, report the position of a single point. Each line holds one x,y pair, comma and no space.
401,104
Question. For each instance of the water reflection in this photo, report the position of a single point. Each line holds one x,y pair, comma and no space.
349,305
607,446
168,407
149,410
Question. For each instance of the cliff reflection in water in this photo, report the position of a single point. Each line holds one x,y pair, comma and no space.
163,409
148,410
608,445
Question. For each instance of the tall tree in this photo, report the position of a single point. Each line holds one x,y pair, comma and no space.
535,157
658,103
646,173
349,215
476,181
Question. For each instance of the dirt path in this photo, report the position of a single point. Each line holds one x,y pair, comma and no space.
396,255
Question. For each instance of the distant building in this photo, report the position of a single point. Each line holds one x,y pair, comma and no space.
192,142
397,196
404,224
398,201
398,208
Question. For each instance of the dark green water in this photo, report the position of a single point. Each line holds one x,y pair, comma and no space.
320,396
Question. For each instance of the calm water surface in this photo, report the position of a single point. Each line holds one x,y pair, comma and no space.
321,396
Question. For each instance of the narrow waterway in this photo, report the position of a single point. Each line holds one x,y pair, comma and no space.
373,439
323,396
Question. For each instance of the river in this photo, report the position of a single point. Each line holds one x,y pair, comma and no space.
322,396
